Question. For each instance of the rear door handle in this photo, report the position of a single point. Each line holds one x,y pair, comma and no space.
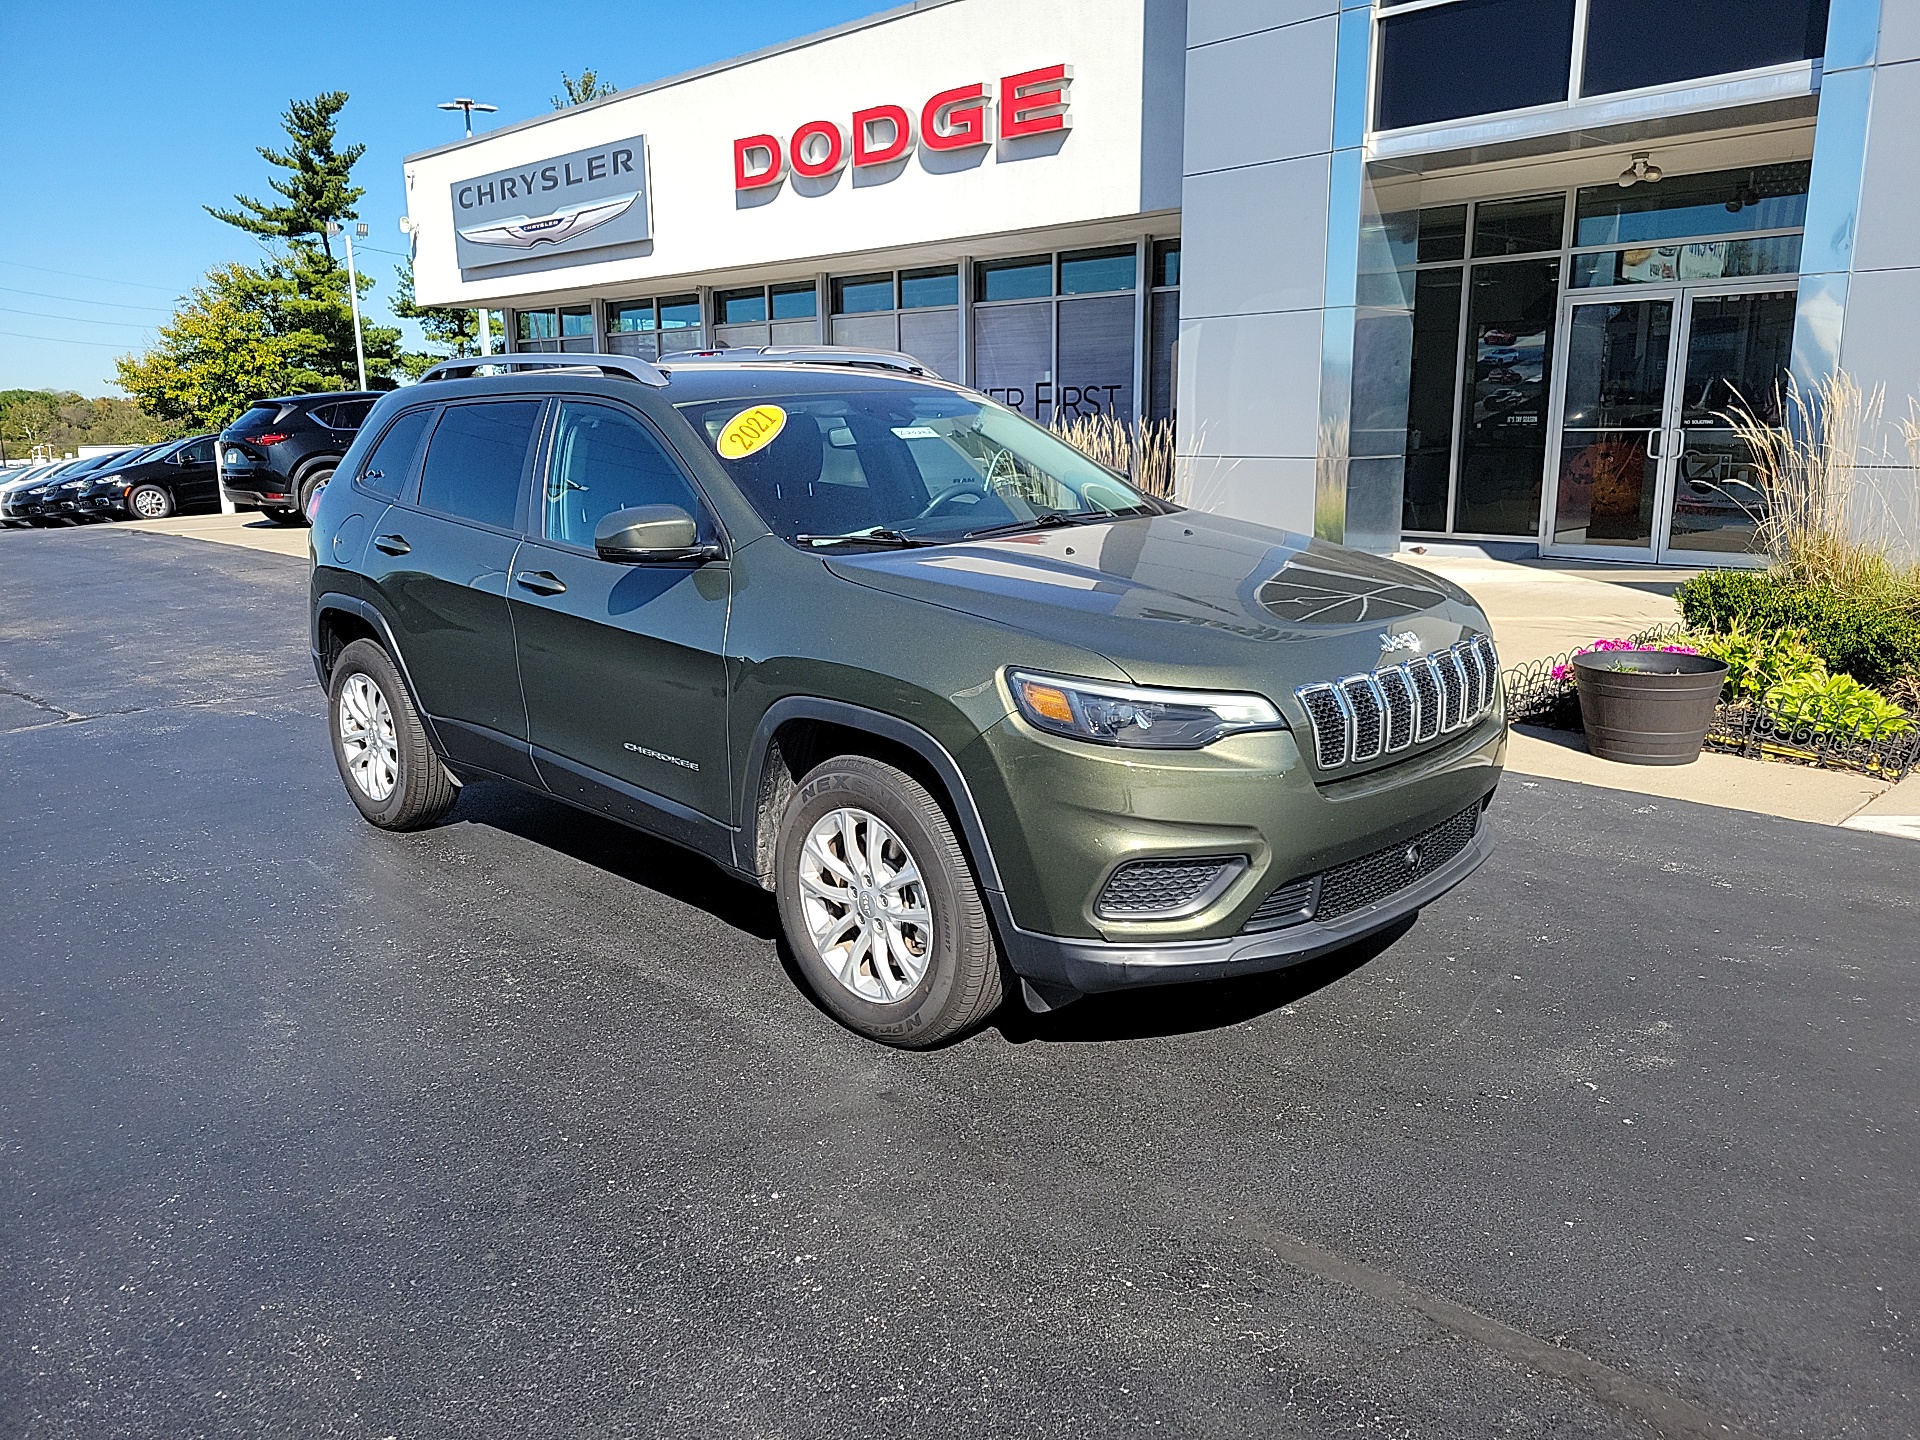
541,582
392,544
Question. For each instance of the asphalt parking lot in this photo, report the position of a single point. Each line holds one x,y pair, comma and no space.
517,1127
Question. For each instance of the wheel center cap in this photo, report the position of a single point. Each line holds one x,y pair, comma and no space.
865,904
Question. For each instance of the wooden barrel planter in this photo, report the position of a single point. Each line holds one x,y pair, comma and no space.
1647,707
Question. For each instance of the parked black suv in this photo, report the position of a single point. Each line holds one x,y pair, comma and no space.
978,712
171,479
277,454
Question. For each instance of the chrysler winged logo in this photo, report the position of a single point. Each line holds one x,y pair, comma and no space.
1403,640
523,232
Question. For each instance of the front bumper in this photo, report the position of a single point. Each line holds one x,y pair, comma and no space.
1057,963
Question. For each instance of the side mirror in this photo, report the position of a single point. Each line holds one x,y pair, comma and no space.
651,535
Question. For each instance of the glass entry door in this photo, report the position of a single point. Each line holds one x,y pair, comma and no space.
1616,356
1644,462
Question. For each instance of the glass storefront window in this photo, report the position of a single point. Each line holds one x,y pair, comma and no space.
680,313
1518,227
798,300
537,325
1166,263
1721,202
1095,272
924,289
862,294
1703,260
1473,57
1635,43
630,317
1430,394
1013,279
1442,233
739,307
1503,419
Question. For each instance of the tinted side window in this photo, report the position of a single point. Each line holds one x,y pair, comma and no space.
605,460
200,452
391,462
347,415
476,459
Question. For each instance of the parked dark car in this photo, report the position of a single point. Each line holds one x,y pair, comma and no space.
39,503
170,479
277,454
983,717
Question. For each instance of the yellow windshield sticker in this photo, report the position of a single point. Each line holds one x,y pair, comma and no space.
750,430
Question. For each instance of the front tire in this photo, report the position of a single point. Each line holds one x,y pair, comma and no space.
283,517
149,502
380,744
880,906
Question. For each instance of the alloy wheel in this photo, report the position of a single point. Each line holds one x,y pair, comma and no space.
867,909
367,738
149,504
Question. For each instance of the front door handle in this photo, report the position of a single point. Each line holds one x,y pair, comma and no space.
541,582
392,544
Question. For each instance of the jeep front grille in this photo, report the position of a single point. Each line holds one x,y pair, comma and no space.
1366,716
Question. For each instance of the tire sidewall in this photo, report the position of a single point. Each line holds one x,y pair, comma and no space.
835,787
303,493
166,502
363,658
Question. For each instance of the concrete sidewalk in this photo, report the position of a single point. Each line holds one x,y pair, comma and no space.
1547,607
249,530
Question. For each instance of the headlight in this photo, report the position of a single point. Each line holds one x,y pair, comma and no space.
1132,716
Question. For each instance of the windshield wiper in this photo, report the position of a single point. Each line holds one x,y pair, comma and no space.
880,536
1055,521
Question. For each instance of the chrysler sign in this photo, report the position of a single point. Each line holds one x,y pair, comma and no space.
585,200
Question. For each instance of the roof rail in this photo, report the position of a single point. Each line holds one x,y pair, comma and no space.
804,355
626,365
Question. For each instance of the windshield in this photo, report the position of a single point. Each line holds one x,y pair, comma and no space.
903,465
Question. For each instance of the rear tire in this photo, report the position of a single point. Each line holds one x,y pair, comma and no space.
380,743
283,517
149,502
313,481
881,909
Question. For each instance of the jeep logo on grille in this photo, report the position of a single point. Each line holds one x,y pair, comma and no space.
1404,640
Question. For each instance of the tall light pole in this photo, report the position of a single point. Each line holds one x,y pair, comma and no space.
469,106
334,227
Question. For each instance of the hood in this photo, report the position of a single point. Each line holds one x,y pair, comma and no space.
1188,599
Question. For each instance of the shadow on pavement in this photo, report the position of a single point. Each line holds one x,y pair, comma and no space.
1185,1009
612,847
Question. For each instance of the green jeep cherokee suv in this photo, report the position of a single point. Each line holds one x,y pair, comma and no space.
974,709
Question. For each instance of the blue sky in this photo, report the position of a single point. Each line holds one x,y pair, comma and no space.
118,121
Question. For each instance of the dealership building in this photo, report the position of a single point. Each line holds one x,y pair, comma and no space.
1490,271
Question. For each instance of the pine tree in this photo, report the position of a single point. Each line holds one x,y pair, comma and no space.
578,92
319,183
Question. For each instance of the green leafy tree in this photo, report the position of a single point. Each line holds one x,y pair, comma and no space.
456,332
318,186
63,420
588,86
248,332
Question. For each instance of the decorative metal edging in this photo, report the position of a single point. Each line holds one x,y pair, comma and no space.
1541,692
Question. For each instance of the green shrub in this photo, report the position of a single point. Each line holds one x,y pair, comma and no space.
1758,662
1868,637
1840,706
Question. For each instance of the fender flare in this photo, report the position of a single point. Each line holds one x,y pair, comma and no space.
886,727
333,600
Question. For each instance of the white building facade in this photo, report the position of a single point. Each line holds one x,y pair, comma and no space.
1479,270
